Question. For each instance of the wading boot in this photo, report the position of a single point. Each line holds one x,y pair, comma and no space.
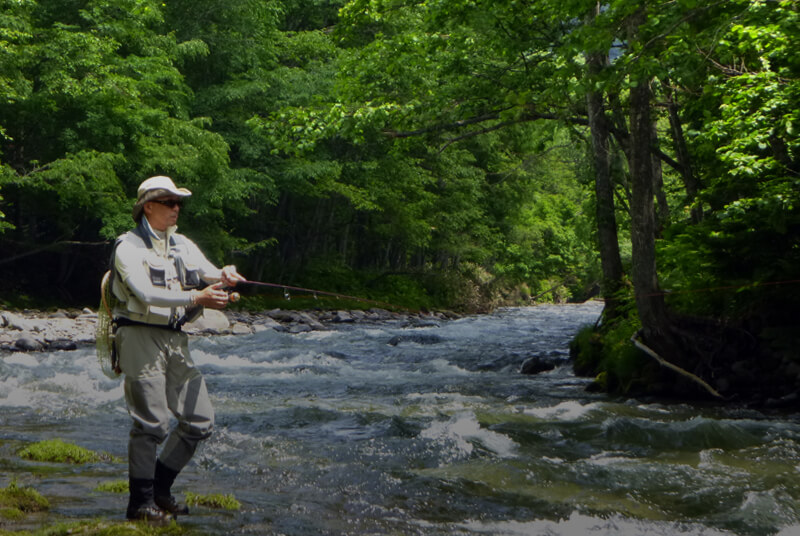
141,506
162,494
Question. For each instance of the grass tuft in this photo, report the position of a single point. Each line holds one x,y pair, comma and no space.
58,451
219,501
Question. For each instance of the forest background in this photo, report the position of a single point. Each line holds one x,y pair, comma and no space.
453,154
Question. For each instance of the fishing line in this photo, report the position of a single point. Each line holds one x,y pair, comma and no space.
315,293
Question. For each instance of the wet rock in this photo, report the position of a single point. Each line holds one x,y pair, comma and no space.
28,344
240,328
62,345
418,338
379,314
537,365
343,316
299,328
284,316
265,323
310,321
425,323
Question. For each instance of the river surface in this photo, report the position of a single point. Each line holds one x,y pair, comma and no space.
397,429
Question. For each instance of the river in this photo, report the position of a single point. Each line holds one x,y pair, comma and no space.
396,429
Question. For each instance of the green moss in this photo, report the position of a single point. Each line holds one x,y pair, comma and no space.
11,514
586,351
23,499
224,502
607,353
58,451
107,528
116,486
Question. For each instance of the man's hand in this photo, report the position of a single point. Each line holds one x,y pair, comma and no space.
212,296
230,276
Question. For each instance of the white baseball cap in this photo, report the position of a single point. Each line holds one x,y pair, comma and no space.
153,188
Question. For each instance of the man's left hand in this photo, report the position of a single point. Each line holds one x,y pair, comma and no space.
230,276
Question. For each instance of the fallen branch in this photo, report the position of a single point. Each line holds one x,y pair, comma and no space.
649,351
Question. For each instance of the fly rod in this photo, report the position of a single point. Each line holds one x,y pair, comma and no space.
249,288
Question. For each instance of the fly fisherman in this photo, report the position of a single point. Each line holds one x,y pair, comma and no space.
158,277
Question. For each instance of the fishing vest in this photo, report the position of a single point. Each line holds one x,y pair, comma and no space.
171,268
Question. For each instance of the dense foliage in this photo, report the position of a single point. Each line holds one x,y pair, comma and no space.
440,153
258,107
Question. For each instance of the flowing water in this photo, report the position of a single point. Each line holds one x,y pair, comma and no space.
402,429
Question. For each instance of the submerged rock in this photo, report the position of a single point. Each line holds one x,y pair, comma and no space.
537,365
418,338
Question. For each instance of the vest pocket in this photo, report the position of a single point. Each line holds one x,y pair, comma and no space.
191,279
158,274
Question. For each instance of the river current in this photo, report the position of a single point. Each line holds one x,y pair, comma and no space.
429,429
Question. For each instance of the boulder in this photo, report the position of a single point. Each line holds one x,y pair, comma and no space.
536,365
62,344
28,344
343,316
19,323
310,321
211,320
240,328
265,323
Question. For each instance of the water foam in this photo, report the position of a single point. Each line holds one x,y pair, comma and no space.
571,410
464,429
580,525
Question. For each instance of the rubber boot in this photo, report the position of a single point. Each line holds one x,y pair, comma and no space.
161,489
141,506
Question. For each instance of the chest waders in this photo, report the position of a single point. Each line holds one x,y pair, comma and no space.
161,381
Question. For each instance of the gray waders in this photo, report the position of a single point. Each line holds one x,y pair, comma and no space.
161,381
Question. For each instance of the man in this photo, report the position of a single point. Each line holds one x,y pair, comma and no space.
158,278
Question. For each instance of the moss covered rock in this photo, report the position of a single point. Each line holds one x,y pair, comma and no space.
58,451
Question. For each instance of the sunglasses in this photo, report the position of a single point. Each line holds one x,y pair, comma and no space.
171,203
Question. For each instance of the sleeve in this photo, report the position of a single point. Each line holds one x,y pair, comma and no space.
131,270
208,272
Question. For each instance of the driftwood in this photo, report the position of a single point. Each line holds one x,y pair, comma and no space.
649,351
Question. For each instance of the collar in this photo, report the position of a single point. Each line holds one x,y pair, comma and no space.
160,237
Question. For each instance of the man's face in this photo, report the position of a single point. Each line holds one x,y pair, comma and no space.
163,212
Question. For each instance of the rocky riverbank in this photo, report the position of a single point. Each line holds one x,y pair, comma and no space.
68,329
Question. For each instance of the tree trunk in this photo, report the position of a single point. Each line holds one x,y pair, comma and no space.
658,184
607,237
649,301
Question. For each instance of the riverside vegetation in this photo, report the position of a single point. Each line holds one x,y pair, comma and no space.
19,502
451,154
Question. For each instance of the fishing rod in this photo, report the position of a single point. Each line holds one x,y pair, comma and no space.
249,288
